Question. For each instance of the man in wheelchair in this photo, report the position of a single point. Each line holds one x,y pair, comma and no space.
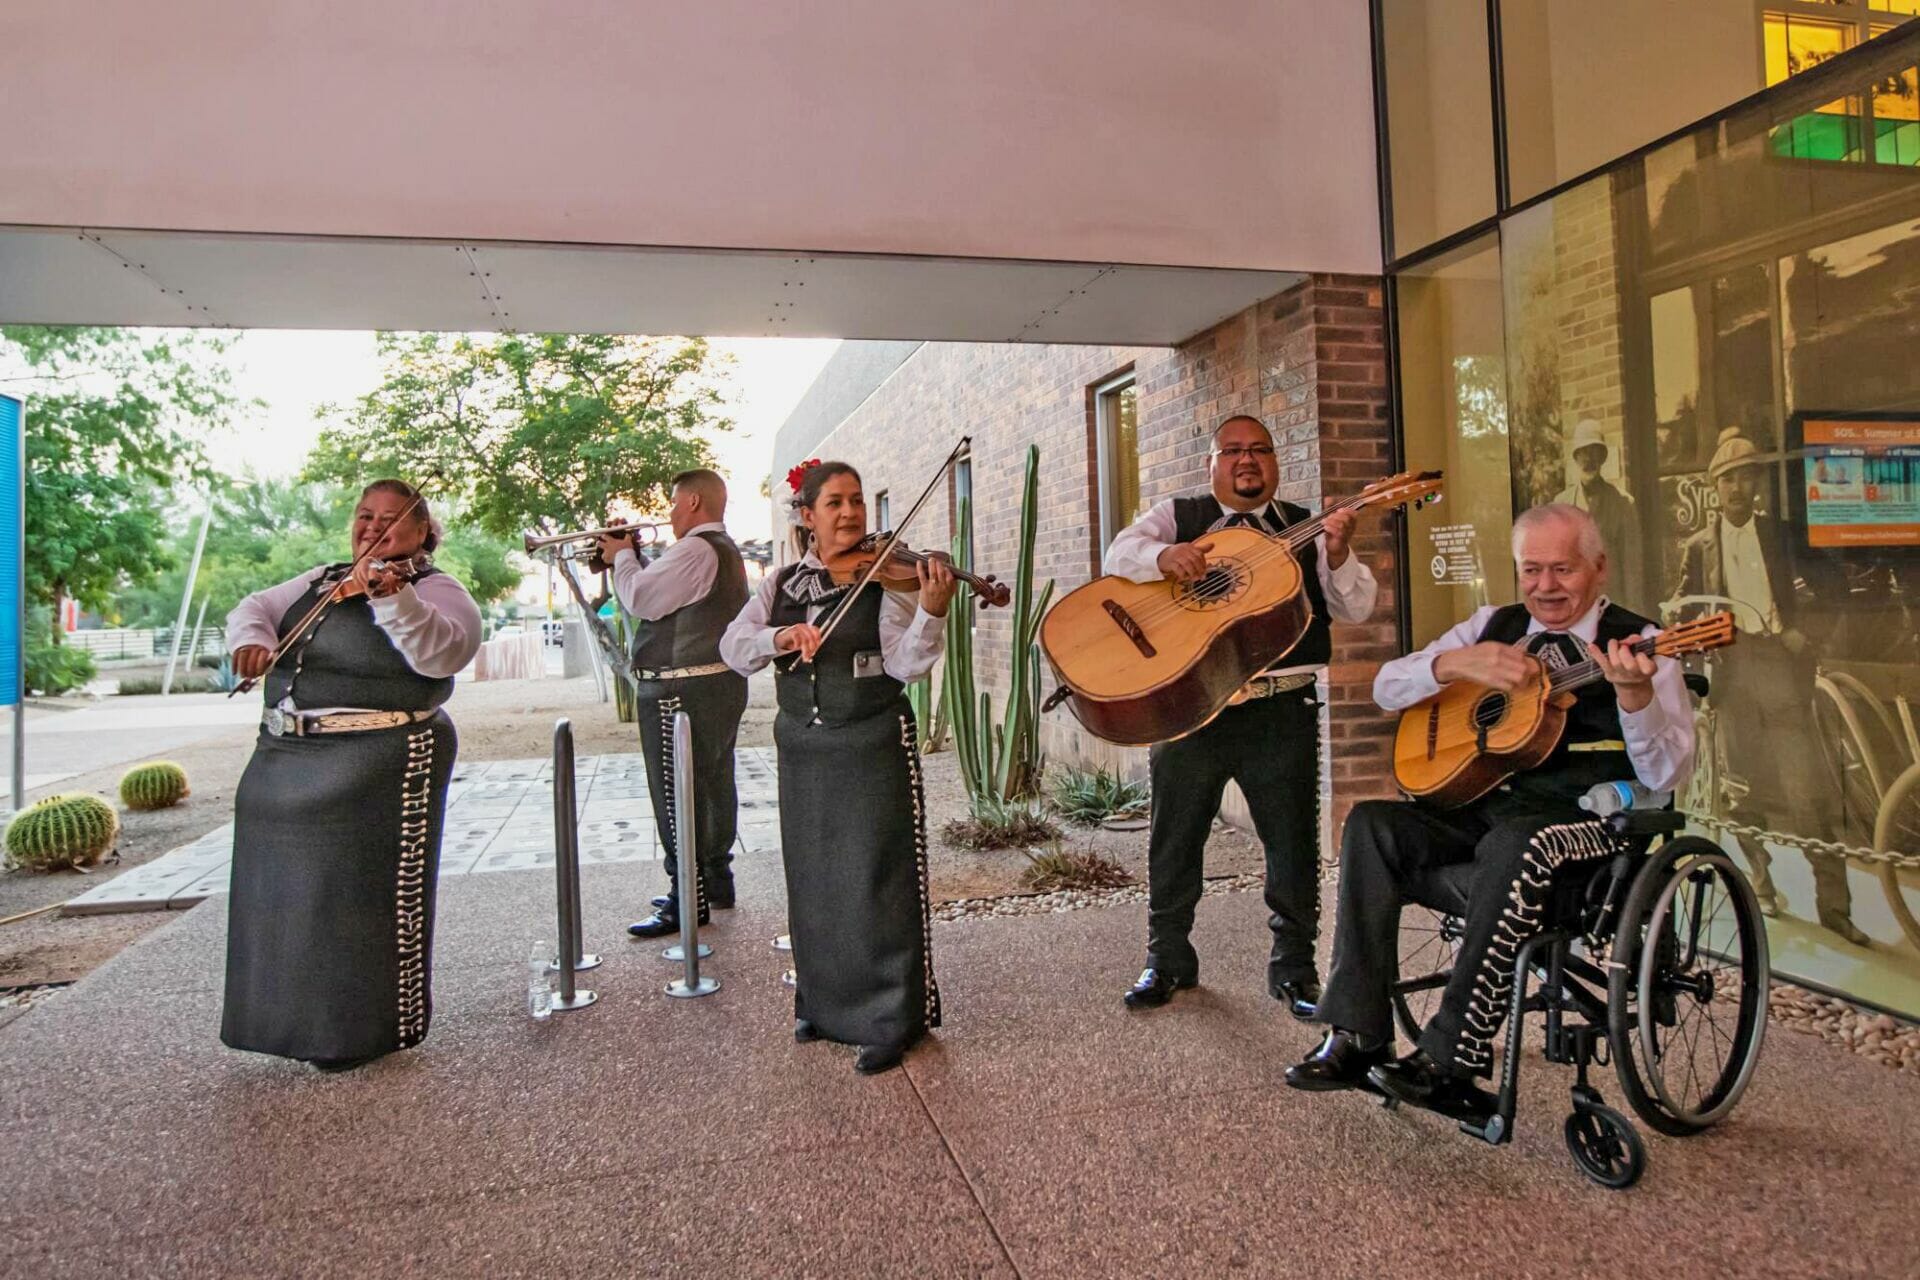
1636,723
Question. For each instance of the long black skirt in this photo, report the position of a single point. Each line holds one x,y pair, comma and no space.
336,848
853,835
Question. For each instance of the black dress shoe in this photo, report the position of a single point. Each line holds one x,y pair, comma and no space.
720,893
804,1032
875,1058
1338,1063
660,900
1419,1081
661,923
1154,989
1302,998
337,1064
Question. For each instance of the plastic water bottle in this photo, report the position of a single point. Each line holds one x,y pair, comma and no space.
540,980
1614,797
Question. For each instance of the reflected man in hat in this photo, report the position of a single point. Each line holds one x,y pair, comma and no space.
1764,684
1611,509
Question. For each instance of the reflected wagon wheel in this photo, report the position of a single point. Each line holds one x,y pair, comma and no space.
1897,830
1428,941
1855,765
1687,995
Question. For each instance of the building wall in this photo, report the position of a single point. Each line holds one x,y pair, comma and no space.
1310,363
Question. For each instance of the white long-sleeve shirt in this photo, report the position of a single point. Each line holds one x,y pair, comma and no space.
911,639
1659,736
683,574
1134,554
433,623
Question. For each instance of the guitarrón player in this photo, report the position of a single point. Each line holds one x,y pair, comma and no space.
1269,743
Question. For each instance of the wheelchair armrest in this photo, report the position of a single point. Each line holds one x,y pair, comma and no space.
1645,822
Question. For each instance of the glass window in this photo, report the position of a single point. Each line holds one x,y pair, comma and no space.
1453,398
882,516
1439,117
1587,83
1117,432
1723,332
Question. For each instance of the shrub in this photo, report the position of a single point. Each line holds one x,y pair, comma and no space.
1091,797
54,669
73,830
158,784
138,686
1060,868
994,825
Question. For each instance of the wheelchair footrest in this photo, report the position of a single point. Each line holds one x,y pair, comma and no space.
1481,1118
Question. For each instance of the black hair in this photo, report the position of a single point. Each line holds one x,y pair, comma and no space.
811,483
1232,418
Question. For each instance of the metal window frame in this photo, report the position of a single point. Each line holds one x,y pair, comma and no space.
1104,393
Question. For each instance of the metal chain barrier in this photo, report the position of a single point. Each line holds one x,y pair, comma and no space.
1813,844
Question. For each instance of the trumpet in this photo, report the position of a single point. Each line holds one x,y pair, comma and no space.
583,544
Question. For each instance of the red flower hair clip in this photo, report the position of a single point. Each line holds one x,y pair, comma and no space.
799,473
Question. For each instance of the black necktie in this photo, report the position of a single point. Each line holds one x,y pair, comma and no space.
1247,519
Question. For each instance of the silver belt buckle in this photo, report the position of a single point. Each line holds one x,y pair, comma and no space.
280,724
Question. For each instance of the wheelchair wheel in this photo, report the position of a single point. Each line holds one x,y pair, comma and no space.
1428,941
1687,993
1605,1147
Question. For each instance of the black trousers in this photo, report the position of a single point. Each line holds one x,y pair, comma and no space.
1386,852
714,704
1271,747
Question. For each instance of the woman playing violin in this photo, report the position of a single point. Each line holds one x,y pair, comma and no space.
337,820
852,816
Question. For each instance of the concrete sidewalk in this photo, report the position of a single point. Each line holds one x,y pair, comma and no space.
1043,1132
64,743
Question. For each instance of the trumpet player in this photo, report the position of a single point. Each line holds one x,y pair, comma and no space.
681,604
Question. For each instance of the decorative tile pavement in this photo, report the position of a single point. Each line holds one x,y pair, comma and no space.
499,818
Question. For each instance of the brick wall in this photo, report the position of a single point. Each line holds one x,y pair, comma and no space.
1309,363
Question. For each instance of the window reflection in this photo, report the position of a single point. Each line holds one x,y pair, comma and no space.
1453,381
1680,332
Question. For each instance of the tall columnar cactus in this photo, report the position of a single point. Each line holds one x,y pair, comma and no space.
158,784
1001,761
73,830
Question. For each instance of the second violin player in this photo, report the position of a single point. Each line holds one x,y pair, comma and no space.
852,804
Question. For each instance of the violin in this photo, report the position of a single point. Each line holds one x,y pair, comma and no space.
900,572
408,568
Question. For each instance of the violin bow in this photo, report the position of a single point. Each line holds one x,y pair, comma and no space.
327,601
885,548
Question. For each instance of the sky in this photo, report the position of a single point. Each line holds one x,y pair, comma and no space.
295,371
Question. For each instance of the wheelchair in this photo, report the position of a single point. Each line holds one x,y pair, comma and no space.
1653,960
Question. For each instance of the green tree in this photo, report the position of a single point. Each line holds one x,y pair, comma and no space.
113,422
266,531
545,431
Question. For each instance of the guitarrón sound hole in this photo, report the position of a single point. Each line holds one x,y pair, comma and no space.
1224,582
1488,711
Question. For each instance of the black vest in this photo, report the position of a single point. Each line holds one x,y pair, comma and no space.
690,635
1194,514
347,660
828,689
1566,775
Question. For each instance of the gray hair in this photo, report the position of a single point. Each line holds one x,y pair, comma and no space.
1592,545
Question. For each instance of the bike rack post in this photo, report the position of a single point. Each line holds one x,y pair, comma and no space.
691,983
566,869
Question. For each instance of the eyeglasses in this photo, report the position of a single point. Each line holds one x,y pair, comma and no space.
1255,451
